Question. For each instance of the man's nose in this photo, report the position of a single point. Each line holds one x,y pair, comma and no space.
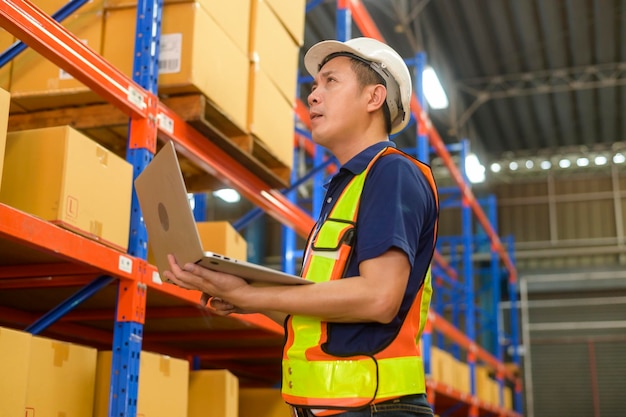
313,98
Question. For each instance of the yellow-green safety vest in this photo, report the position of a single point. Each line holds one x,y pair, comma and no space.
316,379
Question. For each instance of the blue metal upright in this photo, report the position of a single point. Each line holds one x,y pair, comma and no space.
128,331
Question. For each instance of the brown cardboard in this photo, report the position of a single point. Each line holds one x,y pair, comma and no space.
232,16
213,393
221,237
37,83
196,55
163,385
6,40
272,48
5,103
64,177
271,117
292,14
61,379
14,362
262,402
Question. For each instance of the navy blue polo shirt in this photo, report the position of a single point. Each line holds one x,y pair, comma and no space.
397,210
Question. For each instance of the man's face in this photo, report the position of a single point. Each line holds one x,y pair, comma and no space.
337,103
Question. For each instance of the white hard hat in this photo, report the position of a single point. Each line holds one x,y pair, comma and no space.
382,59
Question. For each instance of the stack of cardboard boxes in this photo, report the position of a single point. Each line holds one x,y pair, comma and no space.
47,377
448,370
242,55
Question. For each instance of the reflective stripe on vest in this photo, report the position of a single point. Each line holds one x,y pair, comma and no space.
314,378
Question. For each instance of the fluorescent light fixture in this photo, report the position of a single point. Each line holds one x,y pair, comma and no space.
545,165
600,160
565,163
228,195
582,162
619,158
474,169
433,91
496,167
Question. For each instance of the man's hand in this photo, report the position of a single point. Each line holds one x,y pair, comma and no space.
195,277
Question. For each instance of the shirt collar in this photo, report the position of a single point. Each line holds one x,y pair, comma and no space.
359,162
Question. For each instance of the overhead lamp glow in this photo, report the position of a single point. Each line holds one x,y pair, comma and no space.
513,166
545,165
495,167
228,195
582,162
619,158
474,169
565,163
600,160
529,164
433,91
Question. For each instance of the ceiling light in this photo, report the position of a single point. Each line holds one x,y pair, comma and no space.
582,162
433,91
228,195
545,165
513,166
600,160
495,167
474,169
619,158
529,164
565,163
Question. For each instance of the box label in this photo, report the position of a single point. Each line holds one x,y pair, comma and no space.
170,53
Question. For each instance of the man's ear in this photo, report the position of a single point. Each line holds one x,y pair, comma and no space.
377,97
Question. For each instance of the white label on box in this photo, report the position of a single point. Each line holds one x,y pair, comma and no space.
64,75
125,264
156,278
166,123
170,53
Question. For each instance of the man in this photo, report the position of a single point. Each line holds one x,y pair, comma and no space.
351,347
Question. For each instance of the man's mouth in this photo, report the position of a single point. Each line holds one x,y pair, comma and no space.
314,115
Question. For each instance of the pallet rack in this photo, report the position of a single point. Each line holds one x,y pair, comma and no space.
38,255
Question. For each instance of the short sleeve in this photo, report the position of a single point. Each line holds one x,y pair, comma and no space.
395,203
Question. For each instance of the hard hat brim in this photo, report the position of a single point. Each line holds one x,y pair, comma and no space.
318,53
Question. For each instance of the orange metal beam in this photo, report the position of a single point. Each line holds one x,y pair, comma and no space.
46,36
46,237
211,335
208,156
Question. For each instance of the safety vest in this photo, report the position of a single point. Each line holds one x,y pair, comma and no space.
316,379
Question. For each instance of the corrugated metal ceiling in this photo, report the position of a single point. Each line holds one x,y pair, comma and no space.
525,77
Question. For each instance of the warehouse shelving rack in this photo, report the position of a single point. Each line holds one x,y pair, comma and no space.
42,256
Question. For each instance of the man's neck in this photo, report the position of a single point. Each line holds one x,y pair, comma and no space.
348,150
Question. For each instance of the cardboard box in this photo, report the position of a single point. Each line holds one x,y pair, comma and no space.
64,177
232,16
196,55
271,117
61,379
5,103
14,363
272,48
221,237
6,40
213,393
292,15
262,402
52,6
37,83
163,385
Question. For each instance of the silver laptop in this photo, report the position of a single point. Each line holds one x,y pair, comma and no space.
172,228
